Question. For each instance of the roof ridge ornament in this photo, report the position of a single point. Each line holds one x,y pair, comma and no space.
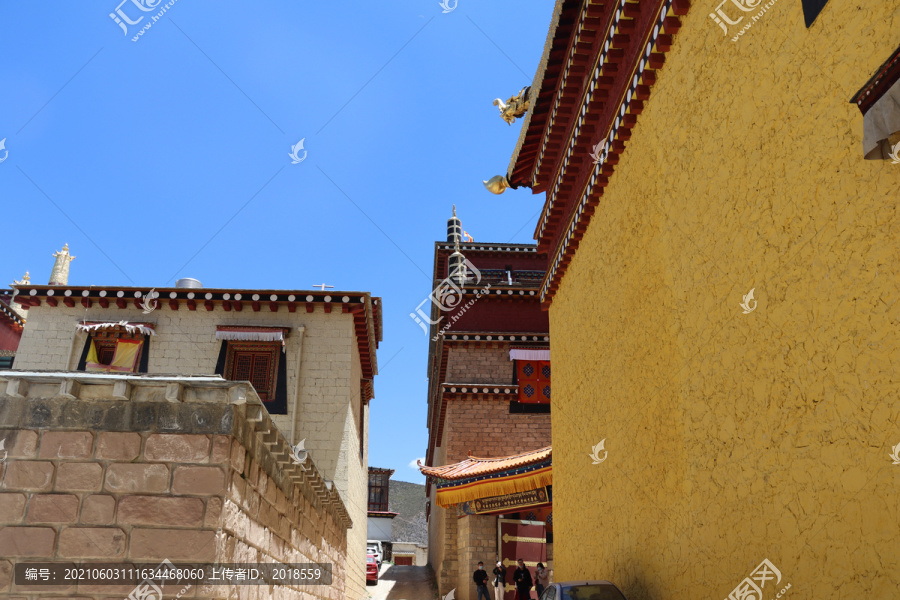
515,107
497,184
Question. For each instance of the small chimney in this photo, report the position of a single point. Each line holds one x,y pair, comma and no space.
60,273
187,282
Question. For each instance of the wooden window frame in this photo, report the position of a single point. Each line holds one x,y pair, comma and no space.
270,350
104,341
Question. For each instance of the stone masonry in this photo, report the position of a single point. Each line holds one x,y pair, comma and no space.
143,468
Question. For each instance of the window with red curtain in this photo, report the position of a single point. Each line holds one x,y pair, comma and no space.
534,381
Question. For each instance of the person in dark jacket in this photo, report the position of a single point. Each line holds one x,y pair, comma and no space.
522,579
480,578
499,581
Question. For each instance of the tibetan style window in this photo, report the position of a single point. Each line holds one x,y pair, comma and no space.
533,377
879,102
257,355
121,347
378,492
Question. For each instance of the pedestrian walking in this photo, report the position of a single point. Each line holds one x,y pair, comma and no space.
480,577
542,579
499,581
522,579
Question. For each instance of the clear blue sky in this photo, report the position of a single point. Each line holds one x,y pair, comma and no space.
168,157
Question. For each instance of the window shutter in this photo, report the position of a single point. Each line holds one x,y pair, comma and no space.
534,381
243,365
260,377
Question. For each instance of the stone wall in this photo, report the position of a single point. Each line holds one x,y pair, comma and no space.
145,469
477,541
484,426
323,376
732,437
485,363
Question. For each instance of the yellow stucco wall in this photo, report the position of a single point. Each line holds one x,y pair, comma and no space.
735,438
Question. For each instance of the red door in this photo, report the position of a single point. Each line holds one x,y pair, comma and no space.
521,539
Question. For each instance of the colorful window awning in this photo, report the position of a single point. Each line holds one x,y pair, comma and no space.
529,354
879,102
127,326
252,334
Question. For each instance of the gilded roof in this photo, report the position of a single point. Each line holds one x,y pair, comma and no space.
474,466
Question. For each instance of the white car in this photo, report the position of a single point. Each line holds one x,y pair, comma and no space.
374,547
582,590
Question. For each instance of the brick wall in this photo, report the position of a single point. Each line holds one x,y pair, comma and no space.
199,476
484,426
488,363
477,541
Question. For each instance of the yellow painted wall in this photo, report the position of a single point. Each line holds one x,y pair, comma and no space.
733,437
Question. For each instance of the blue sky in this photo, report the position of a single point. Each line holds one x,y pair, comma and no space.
167,157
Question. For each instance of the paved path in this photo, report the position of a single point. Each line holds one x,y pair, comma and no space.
403,583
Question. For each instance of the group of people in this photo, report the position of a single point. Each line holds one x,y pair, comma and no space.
521,578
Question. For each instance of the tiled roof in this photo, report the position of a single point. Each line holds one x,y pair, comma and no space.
474,466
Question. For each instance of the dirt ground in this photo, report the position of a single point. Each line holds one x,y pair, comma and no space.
403,583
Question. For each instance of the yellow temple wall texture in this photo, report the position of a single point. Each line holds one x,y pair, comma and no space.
734,438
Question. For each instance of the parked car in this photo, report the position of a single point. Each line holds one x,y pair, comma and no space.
371,569
582,590
375,547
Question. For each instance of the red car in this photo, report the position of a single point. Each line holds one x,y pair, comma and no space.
371,568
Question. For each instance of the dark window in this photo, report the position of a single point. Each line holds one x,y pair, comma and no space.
378,492
256,363
106,349
811,10
6,362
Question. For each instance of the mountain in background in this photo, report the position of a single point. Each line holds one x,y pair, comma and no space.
408,501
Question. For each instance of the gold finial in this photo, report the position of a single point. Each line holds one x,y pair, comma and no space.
24,281
454,210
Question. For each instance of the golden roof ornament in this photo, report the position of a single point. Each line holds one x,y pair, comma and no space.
497,184
515,107
60,273
26,280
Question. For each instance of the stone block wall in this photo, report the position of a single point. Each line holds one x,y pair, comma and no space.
323,377
139,471
484,426
480,363
477,540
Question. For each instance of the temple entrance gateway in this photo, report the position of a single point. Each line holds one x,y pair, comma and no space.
520,539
